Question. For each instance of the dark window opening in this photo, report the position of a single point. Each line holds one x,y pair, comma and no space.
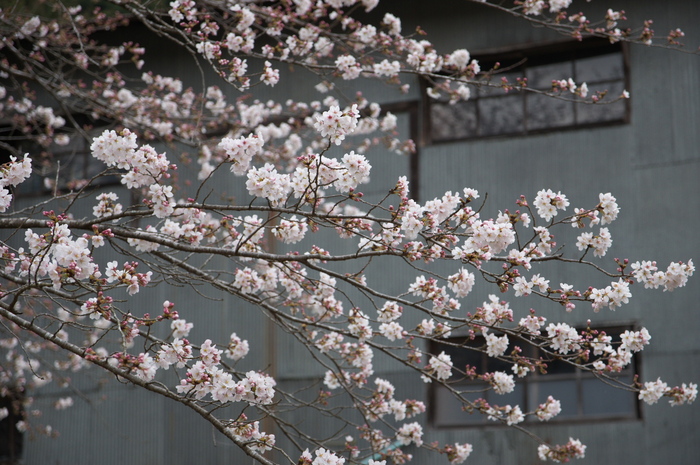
11,439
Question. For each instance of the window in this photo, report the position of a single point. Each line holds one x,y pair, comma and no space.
582,395
70,164
492,112
11,439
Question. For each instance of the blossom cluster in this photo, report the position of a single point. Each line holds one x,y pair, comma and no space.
60,256
548,203
205,378
11,174
572,449
336,124
676,275
248,432
143,164
440,367
654,390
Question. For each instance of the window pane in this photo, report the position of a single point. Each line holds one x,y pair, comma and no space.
540,77
448,409
547,112
516,397
592,113
453,121
600,68
496,81
559,367
602,399
565,391
463,356
501,115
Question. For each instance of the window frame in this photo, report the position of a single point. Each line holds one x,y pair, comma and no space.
527,57
73,158
527,396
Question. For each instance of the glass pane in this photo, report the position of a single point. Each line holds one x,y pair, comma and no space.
594,113
602,399
461,357
501,115
565,391
494,364
600,68
77,164
540,77
516,397
548,112
448,409
72,165
559,367
456,121
495,88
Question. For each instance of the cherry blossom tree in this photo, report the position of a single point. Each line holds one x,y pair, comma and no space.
304,246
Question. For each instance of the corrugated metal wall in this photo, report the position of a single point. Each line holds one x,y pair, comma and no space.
650,165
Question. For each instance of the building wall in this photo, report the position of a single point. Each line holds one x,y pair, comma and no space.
650,165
